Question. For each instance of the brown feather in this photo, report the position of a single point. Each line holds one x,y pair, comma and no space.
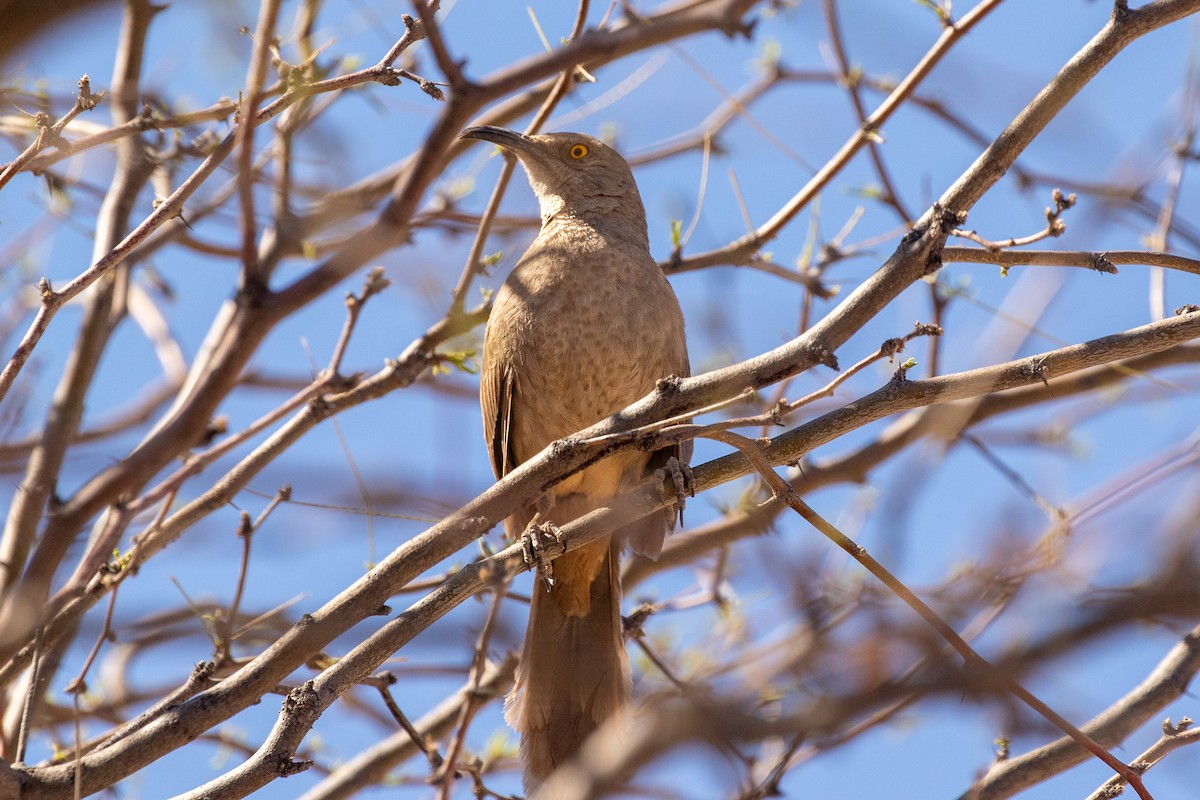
585,325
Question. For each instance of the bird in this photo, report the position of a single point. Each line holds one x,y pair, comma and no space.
585,324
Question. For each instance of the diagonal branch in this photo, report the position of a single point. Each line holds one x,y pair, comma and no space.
370,593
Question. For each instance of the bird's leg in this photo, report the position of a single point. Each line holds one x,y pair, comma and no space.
681,478
535,537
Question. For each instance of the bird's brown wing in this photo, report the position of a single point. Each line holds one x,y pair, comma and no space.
498,401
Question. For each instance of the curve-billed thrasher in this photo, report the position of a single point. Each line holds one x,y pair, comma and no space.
585,325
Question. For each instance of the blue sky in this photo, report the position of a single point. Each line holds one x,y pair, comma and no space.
421,450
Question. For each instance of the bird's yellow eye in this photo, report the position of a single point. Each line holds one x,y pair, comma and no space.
578,150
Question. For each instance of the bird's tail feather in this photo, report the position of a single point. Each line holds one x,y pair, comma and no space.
574,671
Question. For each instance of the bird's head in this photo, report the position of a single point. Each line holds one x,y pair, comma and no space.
570,172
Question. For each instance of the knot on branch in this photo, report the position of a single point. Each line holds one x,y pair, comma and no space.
375,282
1038,369
86,100
820,354
1061,203
891,347
1189,308
302,699
46,292
668,386
927,329
319,407
148,118
390,76
563,448
1175,730
734,25
946,219
287,767
430,88
776,415
1101,263
914,234
217,427
901,373
385,677
632,625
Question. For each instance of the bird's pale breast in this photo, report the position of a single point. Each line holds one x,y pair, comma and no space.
584,337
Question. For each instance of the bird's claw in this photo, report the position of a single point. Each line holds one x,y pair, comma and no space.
681,479
533,549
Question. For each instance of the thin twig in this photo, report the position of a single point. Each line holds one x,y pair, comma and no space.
451,69
973,661
743,248
245,532
1098,261
479,664
1173,738
850,80
423,744
51,133
35,680
1054,227
172,206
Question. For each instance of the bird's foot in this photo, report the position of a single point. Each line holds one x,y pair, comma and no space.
534,540
680,476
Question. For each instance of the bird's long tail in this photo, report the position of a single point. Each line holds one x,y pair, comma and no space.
574,671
